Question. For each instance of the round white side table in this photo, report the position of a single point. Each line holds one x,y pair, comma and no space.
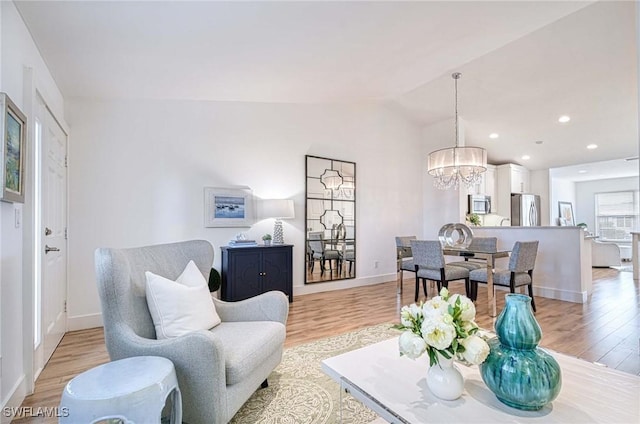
133,389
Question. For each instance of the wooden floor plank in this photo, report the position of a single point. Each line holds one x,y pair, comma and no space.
606,328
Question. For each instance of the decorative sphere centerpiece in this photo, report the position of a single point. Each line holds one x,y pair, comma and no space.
518,372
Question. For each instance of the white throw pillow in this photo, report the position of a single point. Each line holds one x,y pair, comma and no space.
181,306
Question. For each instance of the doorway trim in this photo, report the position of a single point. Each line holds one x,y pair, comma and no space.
31,248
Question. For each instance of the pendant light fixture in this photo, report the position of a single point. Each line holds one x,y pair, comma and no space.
457,165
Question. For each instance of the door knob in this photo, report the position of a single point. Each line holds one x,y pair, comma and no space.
47,231
48,249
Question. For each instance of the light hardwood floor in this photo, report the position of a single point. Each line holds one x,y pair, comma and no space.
606,329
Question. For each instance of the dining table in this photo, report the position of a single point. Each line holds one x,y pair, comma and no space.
490,257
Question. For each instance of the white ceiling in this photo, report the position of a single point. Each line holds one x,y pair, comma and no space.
617,168
523,63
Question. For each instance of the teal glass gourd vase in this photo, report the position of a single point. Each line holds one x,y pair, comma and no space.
517,371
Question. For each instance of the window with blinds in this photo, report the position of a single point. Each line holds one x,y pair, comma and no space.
617,214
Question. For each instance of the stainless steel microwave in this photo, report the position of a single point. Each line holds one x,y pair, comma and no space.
479,204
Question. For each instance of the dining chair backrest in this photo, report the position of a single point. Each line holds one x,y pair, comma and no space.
523,256
427,254
404,241
403,246
485,244
316,243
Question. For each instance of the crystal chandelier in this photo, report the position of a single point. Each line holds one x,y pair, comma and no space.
456,165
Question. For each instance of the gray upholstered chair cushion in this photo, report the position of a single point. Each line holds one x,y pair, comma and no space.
404,241
522,260
407,265
428,258
427,254
450,273
469,265
404,255
501,277
217,371
487,244
523,256
248,344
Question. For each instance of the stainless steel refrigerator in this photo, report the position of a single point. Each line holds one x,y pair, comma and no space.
525,210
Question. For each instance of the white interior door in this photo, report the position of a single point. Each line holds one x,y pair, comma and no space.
54,238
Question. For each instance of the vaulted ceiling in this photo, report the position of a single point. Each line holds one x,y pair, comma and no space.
524,63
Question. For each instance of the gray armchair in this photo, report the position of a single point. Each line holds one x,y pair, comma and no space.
218,369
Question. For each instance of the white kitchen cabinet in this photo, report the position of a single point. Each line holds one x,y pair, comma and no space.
510,178
489,180
519,179
487,183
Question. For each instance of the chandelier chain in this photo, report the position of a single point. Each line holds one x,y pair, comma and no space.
456,76
457,166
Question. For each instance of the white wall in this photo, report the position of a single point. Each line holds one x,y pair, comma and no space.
563,262
138,168
17,53
439,206
539,184
561,191
584,208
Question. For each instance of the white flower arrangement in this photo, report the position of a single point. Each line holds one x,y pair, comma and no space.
443,325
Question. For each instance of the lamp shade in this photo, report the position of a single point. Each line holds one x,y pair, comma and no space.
277,208
457,165
448,161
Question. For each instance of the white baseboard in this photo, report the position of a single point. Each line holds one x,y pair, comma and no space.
566,295
15,398
342,284
82,322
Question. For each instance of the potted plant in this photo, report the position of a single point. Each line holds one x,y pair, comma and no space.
474,219
266,239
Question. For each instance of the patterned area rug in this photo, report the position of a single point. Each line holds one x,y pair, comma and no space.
300,393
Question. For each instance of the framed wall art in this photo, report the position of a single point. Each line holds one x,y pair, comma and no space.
13,127
565,209
228,207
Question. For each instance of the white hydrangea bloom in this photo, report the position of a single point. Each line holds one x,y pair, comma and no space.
411,344
468,309
437,332
435,307
406,316
476,349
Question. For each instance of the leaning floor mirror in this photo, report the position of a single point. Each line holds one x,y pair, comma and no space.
330,219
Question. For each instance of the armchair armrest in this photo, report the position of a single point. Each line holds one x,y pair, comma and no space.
269,306
198,358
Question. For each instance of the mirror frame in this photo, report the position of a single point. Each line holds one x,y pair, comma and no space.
342,197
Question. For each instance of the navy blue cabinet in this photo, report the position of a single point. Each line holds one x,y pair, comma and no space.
249,271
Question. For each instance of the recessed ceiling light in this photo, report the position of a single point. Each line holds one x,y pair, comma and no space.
592,146
526,157
494,135
564,119
582,171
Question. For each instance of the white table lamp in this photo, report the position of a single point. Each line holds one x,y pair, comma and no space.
279,209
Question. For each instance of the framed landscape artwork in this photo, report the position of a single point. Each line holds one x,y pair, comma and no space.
13,127
228,207
565,209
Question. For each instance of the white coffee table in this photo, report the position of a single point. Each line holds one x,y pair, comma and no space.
396,389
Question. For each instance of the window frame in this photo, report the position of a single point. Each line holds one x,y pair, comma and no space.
634,217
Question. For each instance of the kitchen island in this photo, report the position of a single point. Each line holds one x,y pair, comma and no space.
563,264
